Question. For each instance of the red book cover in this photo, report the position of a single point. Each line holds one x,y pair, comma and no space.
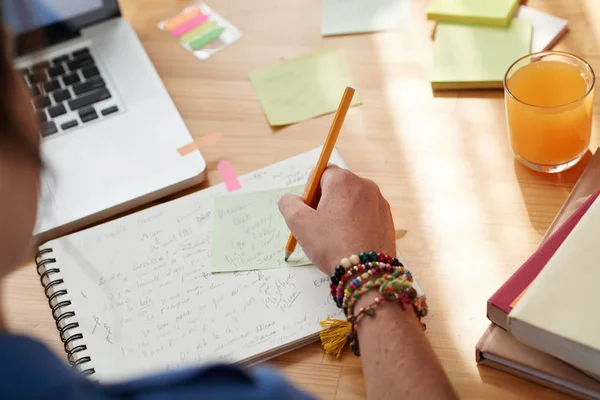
500,304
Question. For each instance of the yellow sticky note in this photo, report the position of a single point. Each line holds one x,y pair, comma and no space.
477,57
250,233
481,12
302,88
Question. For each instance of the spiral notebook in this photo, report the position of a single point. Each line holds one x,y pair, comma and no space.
136,295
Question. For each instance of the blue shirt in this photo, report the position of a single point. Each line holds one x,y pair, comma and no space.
29,370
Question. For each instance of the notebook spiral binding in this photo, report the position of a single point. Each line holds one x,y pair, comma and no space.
64,321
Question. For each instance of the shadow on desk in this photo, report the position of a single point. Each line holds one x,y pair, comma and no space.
544,194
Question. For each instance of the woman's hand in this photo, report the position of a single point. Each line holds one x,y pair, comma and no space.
352,216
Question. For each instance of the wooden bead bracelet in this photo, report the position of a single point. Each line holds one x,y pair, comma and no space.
394,286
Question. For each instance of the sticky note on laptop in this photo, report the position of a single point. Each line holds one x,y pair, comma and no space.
480,12
249,232
475,56
340,17
302,88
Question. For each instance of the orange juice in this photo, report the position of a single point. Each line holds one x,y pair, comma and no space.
549,111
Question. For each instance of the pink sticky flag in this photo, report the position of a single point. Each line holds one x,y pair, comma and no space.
191,24
230,179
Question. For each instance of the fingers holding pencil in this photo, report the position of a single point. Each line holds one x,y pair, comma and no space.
314,183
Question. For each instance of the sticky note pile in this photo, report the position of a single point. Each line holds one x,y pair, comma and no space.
477,41
200,30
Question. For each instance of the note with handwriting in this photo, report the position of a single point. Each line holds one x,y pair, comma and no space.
340,17
250,233
302,88
146,300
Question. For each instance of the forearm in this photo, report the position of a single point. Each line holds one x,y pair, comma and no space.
398,361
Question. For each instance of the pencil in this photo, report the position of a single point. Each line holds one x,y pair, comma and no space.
313,185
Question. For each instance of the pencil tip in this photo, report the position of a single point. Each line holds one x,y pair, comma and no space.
288,254
285,259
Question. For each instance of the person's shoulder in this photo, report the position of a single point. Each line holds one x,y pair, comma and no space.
30,370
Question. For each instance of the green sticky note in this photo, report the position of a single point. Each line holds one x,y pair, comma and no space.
341,17
477,57
206,38
302,88
482,12
250,233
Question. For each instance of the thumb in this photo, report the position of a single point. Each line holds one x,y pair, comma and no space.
298,216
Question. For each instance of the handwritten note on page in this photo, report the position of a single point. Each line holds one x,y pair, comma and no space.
250,233
340,17
146,299
302,88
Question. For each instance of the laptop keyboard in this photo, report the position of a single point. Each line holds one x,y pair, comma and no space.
68,86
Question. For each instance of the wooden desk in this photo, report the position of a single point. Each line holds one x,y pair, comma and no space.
467,214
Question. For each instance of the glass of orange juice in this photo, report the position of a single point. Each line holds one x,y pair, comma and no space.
549,98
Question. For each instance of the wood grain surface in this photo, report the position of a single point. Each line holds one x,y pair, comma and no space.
467,214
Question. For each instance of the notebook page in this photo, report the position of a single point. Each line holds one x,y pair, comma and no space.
146,301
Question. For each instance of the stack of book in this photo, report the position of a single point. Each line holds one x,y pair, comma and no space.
546,321
476,41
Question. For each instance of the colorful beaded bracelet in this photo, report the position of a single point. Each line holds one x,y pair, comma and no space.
344,295
367,287
356,270
362,258
396,287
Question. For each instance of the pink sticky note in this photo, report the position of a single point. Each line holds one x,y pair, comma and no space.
228,174
191,24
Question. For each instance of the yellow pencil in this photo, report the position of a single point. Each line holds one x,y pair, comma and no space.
313,185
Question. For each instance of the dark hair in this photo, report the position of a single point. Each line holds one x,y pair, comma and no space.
12,134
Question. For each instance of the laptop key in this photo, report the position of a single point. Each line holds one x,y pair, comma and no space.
35,91
71,79
61,95
41,116
41,102
89,98
87,114
55,71
61,59
69,125
80,63
34,79
110,110
81,52
40,66
48,128
57,110
52,86
90,72
94,83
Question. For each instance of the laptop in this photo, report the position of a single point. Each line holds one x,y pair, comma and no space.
111,135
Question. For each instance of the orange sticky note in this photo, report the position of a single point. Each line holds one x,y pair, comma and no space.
182,18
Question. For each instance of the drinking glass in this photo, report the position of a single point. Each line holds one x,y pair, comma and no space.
549,99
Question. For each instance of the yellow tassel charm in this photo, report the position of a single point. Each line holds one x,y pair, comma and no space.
335,334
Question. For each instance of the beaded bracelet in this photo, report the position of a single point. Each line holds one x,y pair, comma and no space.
373,284
396,287
356,283
357,264
362,258
337,290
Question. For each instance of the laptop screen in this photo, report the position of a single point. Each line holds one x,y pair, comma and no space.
23,16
